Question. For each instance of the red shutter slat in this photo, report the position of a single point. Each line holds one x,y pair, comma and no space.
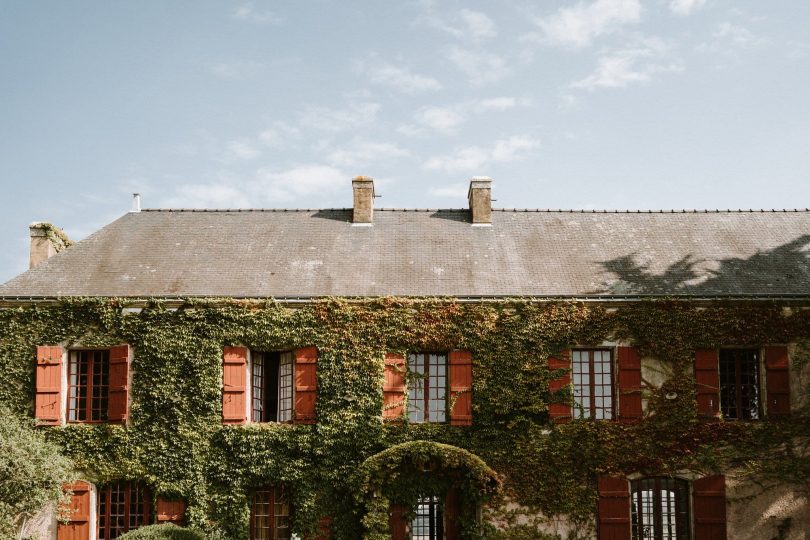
171,511
709,503
117,405
452,509
396,522
306,384
234,380
707,381
48,400
560,413
461,379
777,381
629,364
394,386
614,508
78,518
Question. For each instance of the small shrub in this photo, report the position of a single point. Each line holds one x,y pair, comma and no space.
163,532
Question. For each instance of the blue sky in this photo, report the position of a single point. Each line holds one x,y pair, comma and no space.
589,104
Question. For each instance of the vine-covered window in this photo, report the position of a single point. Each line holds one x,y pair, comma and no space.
427,387
592,371
88,385
739,383
270,515
272,386
428,520
121,507
660,509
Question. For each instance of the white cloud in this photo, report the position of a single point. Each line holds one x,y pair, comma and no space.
242,149
637,63
306,181
578,26
248,12
479,25
278,134
467,24
402,79
495,104
335,120
237,70
686,7
735,34
480,67
474,157
362,152
208,196
457,190
448,119
442,119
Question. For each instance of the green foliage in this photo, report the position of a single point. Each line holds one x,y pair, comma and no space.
32,471
176,443
163,532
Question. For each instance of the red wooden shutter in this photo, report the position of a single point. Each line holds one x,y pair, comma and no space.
777,381
78,524
709,503
461,379
306,384
171,511
394,386
117,405
707,380
48,401
234,380
560,413
324,528
614,508
396,522
629,384
452,509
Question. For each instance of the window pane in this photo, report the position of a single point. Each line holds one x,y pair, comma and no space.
428,522
660,509
739,383
257,385
285,387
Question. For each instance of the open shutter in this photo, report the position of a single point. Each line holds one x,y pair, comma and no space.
234,380
560,413
394,387
777,381
709,503
629,384
452,509
707,381
306,384
396,522
461,379
48,401
171,511
614,508
78,518
117,405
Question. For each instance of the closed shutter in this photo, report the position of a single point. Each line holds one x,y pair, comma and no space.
777,381
707,381
709,503
560,413
452,511
396,522
306,384
48,400
629,384
394,386
461,379
614,508
119,384
171,511
234,380
78,516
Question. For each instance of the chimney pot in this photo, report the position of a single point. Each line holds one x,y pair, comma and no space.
136,202
42,247
363,210
480,199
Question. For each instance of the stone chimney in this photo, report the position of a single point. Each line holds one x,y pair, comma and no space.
480,197
363,188
45,242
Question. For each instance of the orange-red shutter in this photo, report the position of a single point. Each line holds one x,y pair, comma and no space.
396,522
629,384
171,511
461,379
78,524
394,386
306,384
709,503
452,509
777,381
119,384
234,380
324,528
560,413
707,382
48,401
614,508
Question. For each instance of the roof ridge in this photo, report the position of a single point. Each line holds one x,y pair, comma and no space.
521,210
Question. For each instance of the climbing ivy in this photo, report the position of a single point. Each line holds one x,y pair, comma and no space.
350,464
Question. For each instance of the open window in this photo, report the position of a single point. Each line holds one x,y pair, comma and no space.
739,384
427,387
660,508
272,384
270,515
122,507
428,519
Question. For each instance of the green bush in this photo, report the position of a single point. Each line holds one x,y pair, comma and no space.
163,532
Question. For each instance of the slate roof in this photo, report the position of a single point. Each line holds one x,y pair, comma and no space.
312,253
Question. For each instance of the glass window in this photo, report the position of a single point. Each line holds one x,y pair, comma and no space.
270,515
88,386
660,509
427,387
428,521
272,386
592,375
122,507
739,383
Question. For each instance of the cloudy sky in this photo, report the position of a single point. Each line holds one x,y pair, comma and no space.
583,104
